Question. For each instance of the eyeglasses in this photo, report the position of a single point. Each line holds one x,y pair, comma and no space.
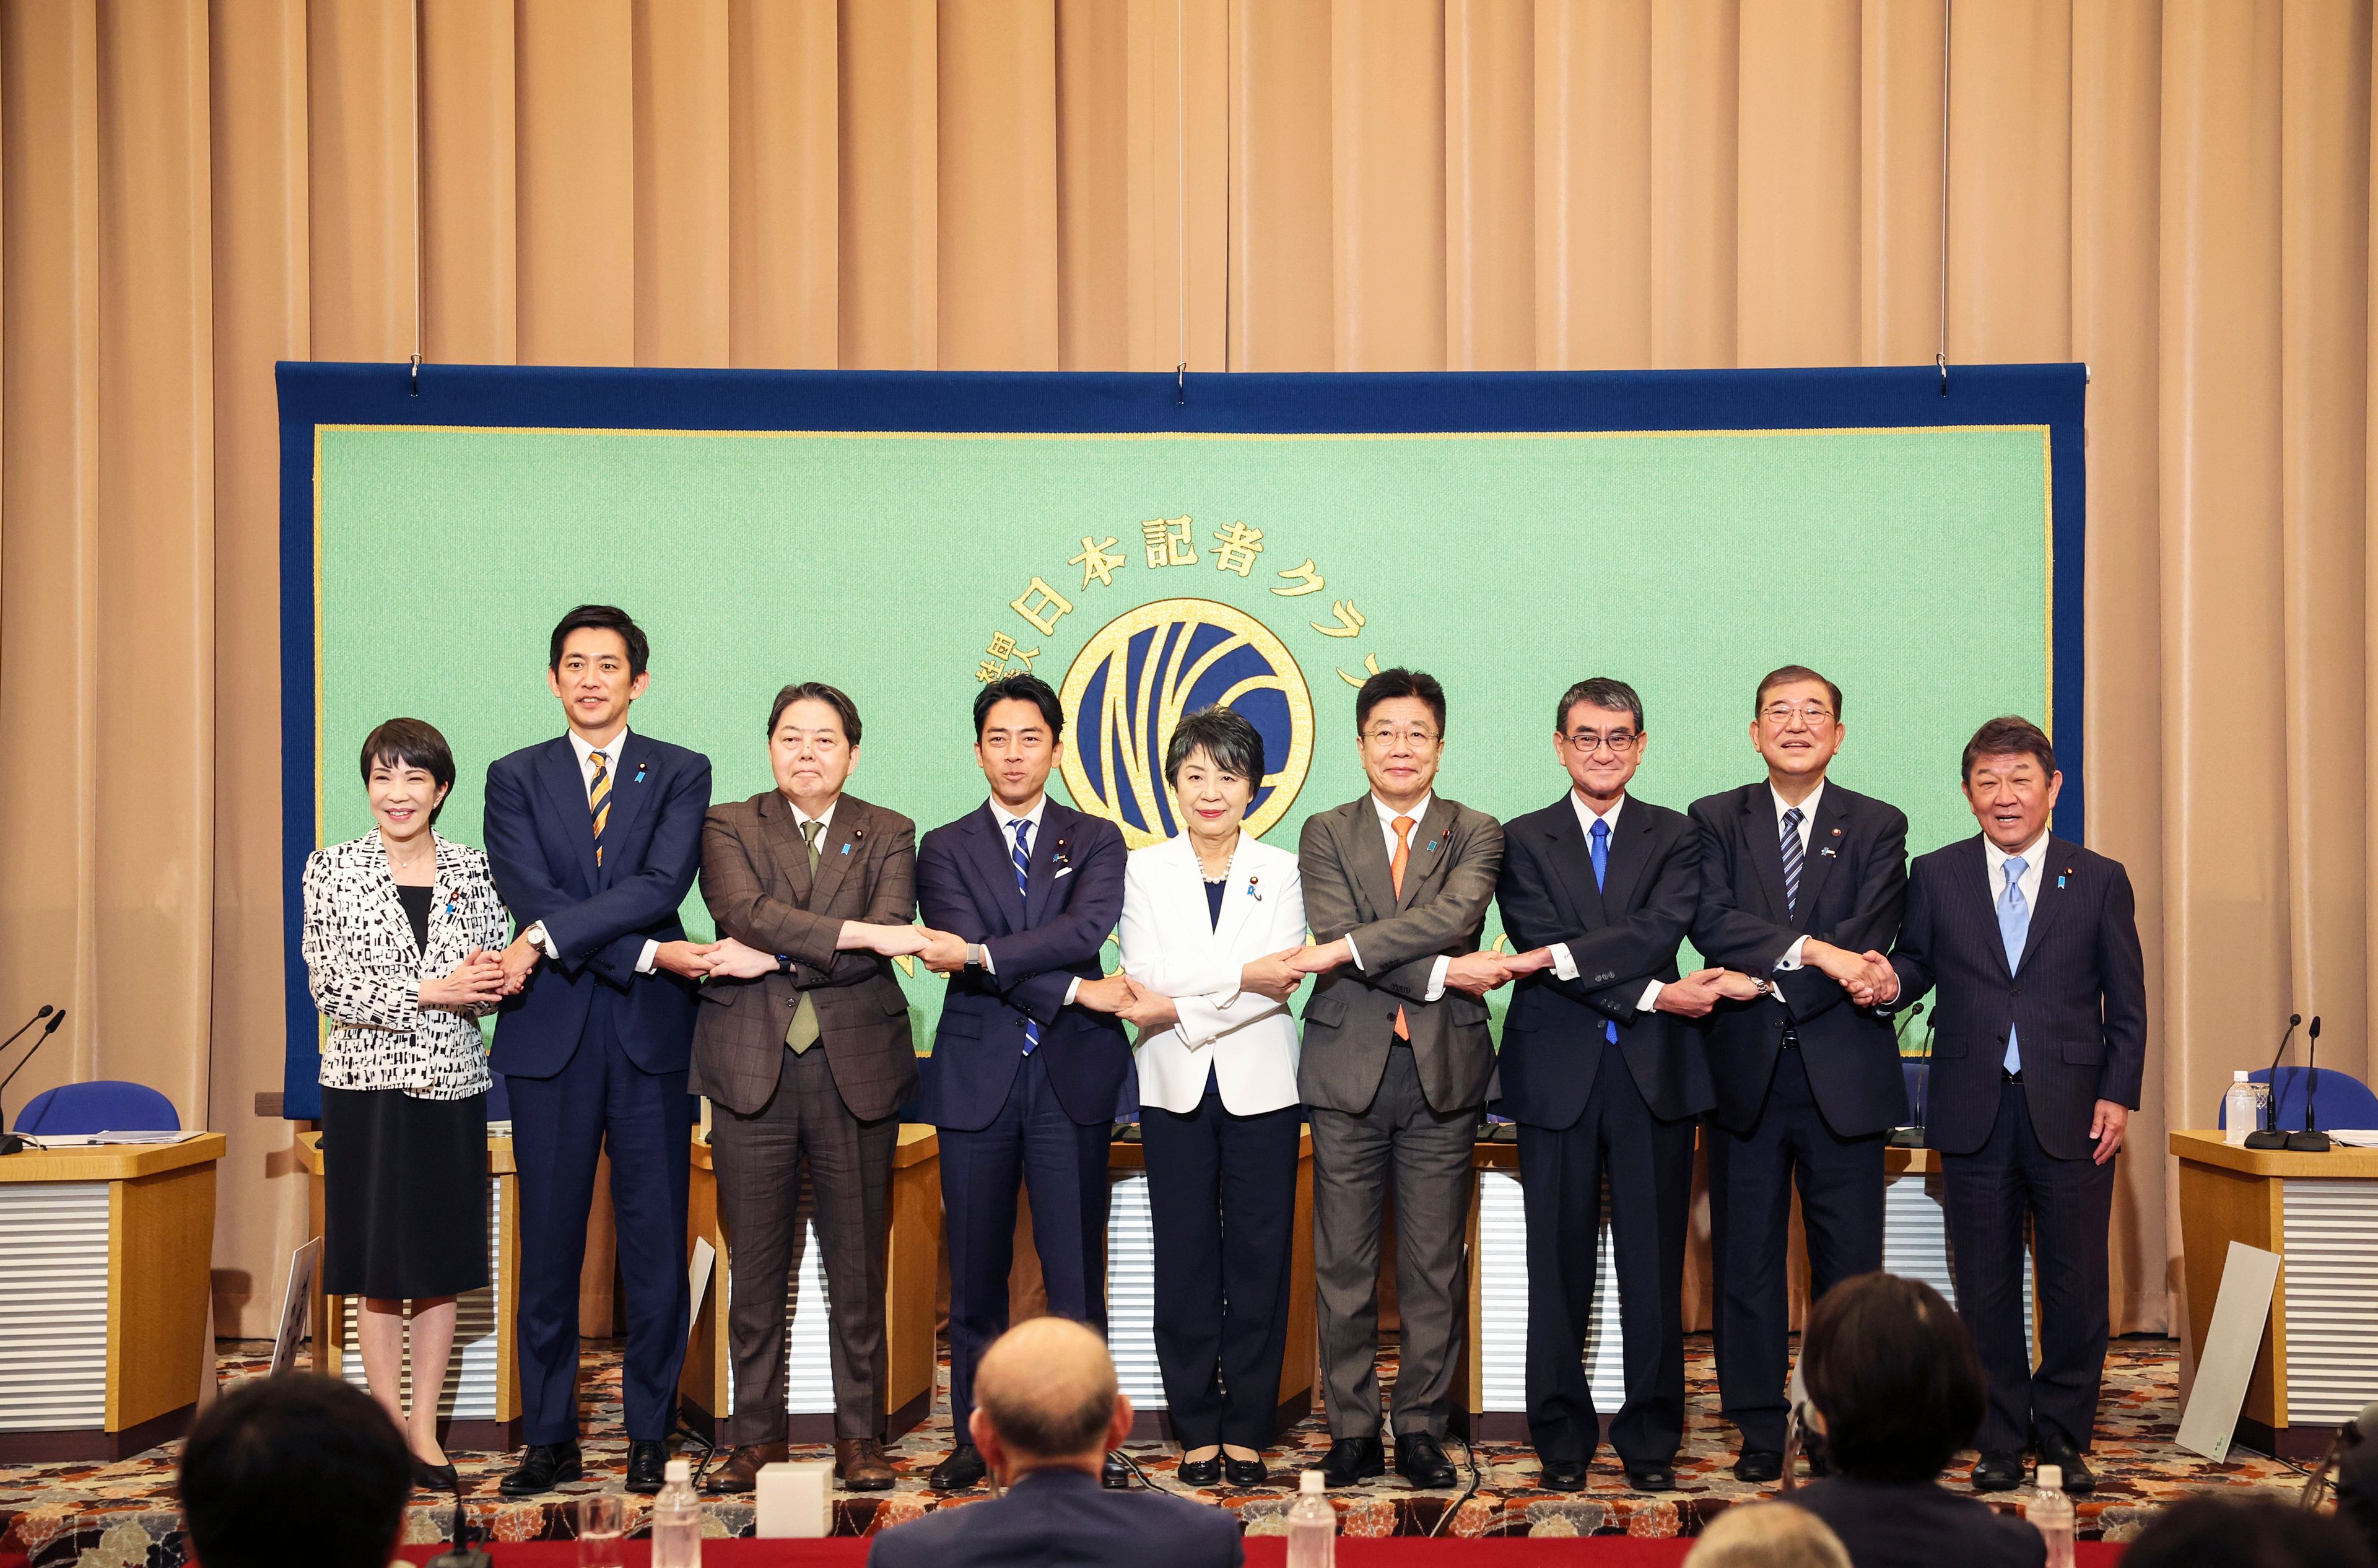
1587,743
1781,713
1384,735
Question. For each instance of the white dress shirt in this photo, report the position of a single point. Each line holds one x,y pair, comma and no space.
1007,820
1564,965
586,749
824,820
1419,814
1791,959
2035,856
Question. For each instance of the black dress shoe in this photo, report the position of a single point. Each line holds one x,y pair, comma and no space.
962,1469
1203,1472
433,1478
1246,1472
1351,1459
1759,1466
543,1467
1655,1477
647,1463
1561,1475
1420,1461
1998,1471
2057,1449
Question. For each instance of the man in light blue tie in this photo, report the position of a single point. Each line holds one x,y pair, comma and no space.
2037,1055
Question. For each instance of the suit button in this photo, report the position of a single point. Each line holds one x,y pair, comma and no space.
2014,991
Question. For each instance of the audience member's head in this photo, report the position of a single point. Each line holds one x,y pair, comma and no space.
294,1471
1893,1376
2213,1531
2357,1484
1045,1398
1766,1535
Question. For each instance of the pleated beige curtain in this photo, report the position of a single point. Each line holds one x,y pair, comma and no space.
2178,194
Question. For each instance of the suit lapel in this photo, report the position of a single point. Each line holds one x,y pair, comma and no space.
1428,846
993,872
1766,843
441,900
2052,898
1572,861
783,837
1972,871
631,788
558,768
1237,902
837,848
390,908
1366,857
1826,836
1631,851
1054,831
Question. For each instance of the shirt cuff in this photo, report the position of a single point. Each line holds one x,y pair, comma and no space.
647,959
1563,964
1791,959
987,966
1073,989
1351,951
1436,977
537,934
1651,997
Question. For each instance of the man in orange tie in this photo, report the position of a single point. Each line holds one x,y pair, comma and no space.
1396,1066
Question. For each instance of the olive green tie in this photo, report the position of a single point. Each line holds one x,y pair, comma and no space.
804,1032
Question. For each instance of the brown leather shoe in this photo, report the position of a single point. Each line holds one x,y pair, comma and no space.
740,1469
859,1465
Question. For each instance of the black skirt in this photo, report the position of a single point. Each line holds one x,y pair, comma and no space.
405,1194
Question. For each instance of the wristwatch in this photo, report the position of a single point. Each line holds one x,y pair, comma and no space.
974,955
784,964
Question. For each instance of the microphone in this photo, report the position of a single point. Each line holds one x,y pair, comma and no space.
9,1142
2271,1137
463,1554
2362,1428
2312,1140
1912,1136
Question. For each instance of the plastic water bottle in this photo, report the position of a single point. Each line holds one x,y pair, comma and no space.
677,1520
2050,1513
2241,1108
1312,1525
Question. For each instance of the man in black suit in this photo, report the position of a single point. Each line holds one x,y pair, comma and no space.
1017,898
1799,878
2038,1047
1050,1411
1596,891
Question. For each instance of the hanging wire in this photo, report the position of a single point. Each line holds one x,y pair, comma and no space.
1180,193
1941,357
413,383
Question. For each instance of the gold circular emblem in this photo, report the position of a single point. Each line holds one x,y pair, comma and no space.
1128,687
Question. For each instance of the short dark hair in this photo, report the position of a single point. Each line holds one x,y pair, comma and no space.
1020,689
294,1471
602,617
1399,682
1599,691
2209,1530
1786,676
832,697
1233,743
411,743
1893,1371
2006,735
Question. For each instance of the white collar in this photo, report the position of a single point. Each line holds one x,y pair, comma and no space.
586,749
824,820
1807,809
1586,816
1006,820
2031,852
1419,813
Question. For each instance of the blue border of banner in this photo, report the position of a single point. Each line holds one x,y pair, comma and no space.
1057,402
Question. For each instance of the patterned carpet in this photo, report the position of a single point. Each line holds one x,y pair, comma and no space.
122,1515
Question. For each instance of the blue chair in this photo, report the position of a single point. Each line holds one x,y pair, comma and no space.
2343,1101
110,1105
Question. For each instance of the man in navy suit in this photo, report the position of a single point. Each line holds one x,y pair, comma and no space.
1603,1076
594,839
2039,1044
1049,1413
1018,898
1800,877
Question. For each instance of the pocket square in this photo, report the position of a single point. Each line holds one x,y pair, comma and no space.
1065,871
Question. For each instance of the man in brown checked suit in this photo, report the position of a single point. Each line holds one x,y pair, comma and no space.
803,1049
1395,1073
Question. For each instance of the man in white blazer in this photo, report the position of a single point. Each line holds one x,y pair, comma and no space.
1209,917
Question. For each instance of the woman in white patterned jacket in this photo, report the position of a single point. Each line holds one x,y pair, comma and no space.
402,929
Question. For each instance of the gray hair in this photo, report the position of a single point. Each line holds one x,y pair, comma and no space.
1226,738
1766,1535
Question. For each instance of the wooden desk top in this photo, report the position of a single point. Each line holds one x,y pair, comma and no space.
918,1143
112,1162
1501,1156
2207,1148
499,1154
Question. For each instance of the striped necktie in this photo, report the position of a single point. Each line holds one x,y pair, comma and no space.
1403,827
1023,858
1793,854
598,801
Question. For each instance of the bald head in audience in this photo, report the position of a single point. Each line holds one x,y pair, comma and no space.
1766,1535
1045,1398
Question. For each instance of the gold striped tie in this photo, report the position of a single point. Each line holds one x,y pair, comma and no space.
804,1031
598,800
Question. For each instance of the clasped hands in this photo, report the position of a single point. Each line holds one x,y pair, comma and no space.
728,958
1866,977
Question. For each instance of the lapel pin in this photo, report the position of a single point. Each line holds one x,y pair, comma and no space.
1431,848
845,849
639,774
1251,889
1837,832
1828,853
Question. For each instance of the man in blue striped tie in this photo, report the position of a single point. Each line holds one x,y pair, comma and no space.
1018,898
1801,879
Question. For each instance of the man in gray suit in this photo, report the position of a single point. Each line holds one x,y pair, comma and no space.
802,1046
1395,1073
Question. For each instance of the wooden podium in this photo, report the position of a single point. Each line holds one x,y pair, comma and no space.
479,1408
2318,1362
911,1269
104,1303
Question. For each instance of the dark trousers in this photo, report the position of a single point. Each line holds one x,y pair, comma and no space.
1062,1166
1222,1195
1752,1177
1649,1163
1989,1194
560,1126
758,1159
1425,1153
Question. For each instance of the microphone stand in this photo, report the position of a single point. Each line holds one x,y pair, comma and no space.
2271,1137
2311,1141
10,1144
1912,1136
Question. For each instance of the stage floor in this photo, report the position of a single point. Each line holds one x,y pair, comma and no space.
54,1512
